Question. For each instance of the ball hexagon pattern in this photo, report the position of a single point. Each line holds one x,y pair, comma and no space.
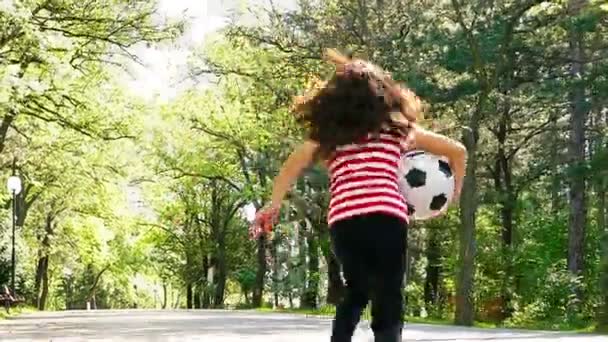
427,183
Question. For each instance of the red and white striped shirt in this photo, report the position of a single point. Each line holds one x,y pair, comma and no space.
364,179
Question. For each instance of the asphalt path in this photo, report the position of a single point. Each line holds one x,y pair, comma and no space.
221,326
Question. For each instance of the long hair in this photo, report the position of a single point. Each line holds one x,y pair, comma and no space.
359,99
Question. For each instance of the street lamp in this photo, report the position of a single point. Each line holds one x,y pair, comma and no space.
14,186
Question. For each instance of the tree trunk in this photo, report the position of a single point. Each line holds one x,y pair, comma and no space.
412,255
68,293
220,286
290,298
602,222
177,300
258,289
45,286
507,213
433,270
206,300
555,176
576,151
38,279
312,288
276,298
93,288
465,308
4,127
188,296
276,269
198,289
247,299
334,283
507,199
334,280
41,282
164,295
407,278
602,216
302,264
42,286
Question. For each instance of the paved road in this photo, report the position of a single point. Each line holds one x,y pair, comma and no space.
222,326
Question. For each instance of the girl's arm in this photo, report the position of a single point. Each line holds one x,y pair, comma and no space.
298,160
443,146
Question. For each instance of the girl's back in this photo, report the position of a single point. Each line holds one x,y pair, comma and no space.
364,178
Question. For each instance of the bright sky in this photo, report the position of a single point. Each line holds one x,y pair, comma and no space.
164,67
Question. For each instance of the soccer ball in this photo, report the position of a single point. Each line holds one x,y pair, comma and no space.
427,183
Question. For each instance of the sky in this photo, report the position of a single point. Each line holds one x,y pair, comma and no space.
164,66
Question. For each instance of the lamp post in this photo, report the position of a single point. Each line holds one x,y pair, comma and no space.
14,186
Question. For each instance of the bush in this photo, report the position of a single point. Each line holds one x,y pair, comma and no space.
553,305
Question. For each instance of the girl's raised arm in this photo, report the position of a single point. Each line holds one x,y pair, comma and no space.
298,160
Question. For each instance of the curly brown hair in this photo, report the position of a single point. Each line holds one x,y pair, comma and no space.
354,102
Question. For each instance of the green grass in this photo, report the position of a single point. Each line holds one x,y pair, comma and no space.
320,312
556,326
16,311
551,326
329,311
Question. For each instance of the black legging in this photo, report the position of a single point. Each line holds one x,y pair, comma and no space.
371,250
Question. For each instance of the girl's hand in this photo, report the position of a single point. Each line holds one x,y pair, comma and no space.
264,220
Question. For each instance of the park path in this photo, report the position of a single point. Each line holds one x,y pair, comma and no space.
223,326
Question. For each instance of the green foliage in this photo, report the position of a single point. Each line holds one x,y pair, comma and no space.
552,302
63,112
80,142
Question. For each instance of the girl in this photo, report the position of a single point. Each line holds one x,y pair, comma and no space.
359,124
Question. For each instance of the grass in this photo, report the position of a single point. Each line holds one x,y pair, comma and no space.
581,327
16,311
329,311
548,326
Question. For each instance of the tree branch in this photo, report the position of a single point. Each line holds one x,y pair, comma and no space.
478,64
165,229
538,130
184,173
62,121
96,281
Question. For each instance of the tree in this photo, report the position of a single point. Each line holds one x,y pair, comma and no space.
44,75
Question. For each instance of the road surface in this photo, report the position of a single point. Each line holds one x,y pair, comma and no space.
223,326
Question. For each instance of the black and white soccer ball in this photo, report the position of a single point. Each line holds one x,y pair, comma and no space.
427,183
